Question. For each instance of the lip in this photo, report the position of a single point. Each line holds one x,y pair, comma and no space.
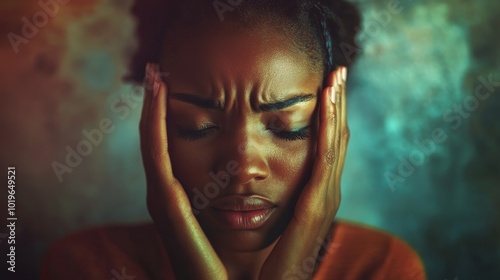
243,212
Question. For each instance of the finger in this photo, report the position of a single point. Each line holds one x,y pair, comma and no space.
144,122
325,152
344,129
148,81
158,132
334,186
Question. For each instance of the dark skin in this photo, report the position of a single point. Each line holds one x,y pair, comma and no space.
241,72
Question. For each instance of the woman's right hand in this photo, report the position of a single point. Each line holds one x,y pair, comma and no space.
191,254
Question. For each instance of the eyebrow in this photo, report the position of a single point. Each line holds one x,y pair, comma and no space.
285,103
208,103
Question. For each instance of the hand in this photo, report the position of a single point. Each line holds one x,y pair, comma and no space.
168,203
319,201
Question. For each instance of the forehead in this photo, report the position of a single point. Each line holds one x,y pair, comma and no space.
226,53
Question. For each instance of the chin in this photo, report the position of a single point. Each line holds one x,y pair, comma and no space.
243,241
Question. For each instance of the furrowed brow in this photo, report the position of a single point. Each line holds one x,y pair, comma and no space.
288,102
206,103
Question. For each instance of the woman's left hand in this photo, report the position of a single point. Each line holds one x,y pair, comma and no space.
318,203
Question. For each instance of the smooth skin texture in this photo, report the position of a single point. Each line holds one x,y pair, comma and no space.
302,177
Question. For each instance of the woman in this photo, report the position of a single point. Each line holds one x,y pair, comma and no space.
243,137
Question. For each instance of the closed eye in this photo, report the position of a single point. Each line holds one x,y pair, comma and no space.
287,135
292,135
195,134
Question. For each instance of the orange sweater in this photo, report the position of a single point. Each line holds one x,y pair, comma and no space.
136,252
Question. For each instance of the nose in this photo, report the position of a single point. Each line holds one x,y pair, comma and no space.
247,156
253,164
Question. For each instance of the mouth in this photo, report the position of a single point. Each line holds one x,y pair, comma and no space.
243,212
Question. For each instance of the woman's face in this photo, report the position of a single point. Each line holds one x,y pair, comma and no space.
241,129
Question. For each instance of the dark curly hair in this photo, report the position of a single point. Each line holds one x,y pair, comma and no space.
323,29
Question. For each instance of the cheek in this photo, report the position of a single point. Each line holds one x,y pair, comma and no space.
190,165
294,170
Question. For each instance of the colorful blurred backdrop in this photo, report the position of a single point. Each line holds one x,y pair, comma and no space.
424,112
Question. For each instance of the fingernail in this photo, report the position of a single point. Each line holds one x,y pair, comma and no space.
344,73
333,93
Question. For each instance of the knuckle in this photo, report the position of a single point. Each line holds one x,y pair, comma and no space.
345,133
158,153
332,118
329,156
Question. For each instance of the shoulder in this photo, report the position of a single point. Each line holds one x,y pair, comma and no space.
360,252
106,252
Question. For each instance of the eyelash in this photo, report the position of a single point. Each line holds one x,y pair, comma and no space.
193,135
299,134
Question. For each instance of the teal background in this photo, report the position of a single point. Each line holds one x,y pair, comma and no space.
416,67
